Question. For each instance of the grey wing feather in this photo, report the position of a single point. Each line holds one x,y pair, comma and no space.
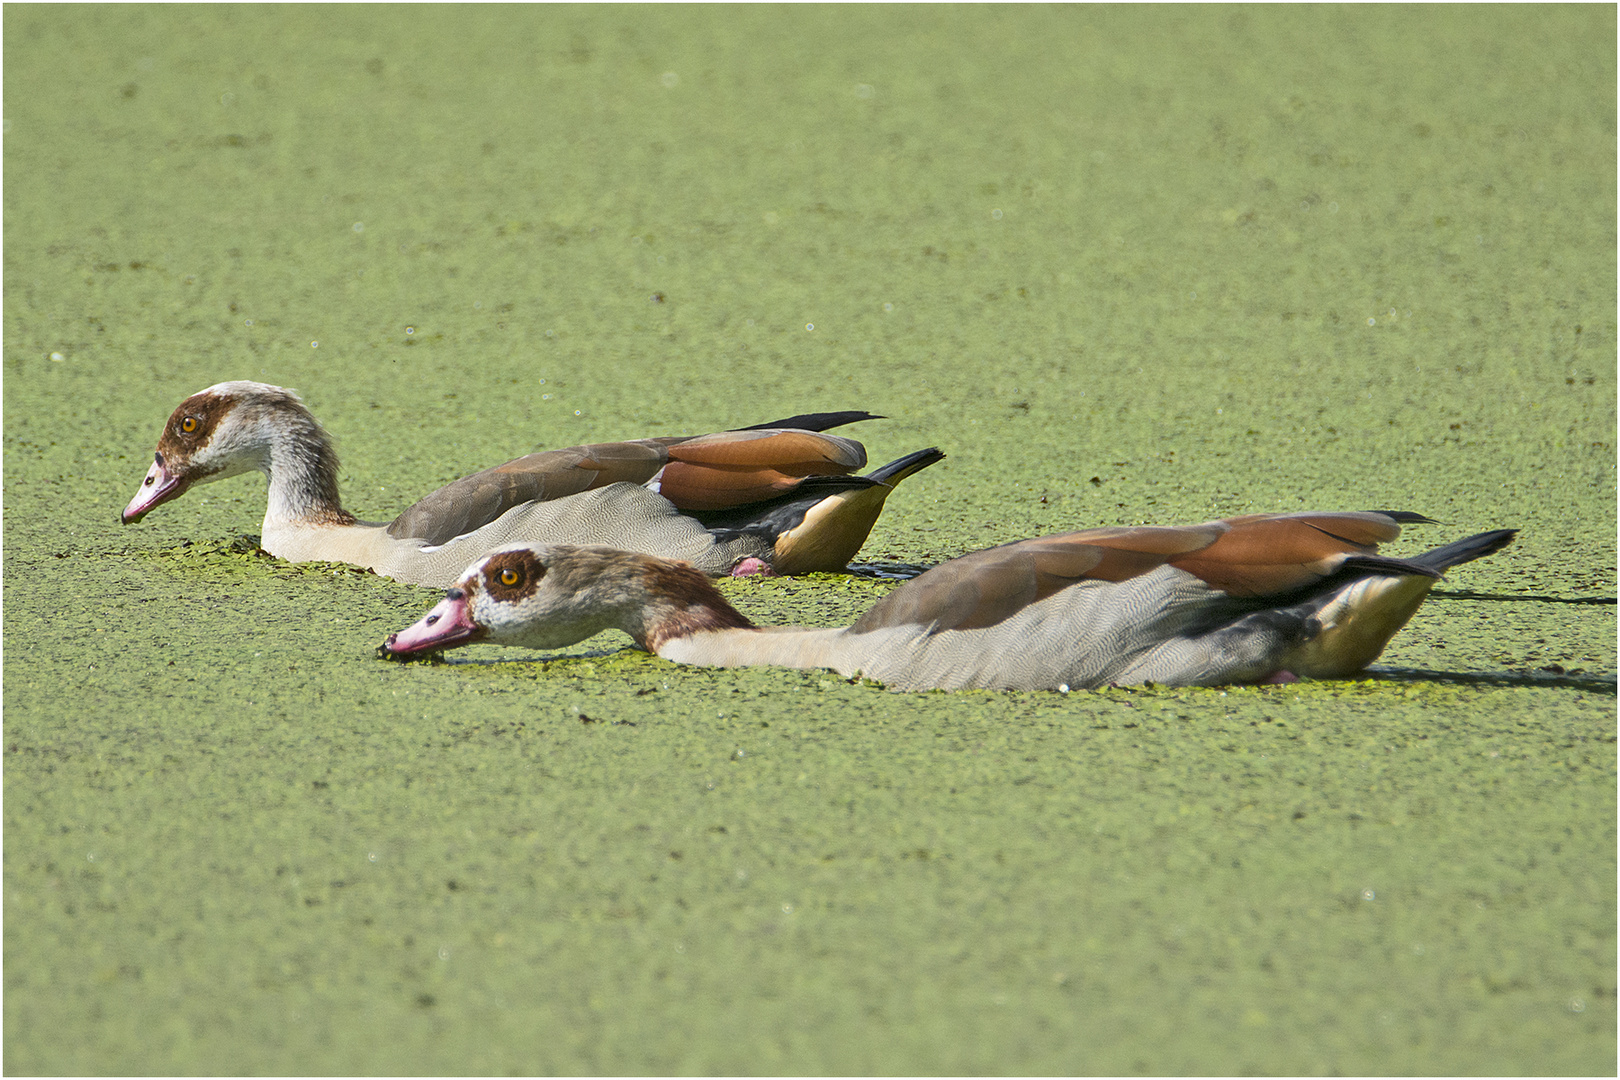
983,588
990,586
474,501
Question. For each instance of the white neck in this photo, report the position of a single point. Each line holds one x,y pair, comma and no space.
785,646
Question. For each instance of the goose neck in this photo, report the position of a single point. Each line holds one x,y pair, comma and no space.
678,602
302,469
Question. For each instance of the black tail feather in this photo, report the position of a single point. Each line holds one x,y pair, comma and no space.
1466,549
1430,564
900,468
772,517
1361,565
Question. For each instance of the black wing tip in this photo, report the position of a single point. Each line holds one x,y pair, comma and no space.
1357,565
819,421
1406,517
783,513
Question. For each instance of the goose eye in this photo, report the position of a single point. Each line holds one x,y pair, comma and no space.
188,424
510,576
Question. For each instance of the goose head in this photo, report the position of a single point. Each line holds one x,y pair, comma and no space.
547,596
233,428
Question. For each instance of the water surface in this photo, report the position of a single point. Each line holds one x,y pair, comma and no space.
1123,265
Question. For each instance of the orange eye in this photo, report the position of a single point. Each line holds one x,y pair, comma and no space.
510,576
188,424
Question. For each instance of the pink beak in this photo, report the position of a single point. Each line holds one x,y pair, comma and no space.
158,487
448,625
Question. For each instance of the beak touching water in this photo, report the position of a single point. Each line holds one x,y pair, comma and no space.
449,624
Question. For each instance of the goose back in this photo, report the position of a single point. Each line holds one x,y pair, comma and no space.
621,515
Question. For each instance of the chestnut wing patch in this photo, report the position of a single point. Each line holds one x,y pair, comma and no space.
1267,554
735,468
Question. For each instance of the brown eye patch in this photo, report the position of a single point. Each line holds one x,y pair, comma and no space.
513,575
192,424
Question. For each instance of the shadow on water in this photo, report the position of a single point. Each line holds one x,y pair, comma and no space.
1594,684
438,658
907,571
1465,594
887,571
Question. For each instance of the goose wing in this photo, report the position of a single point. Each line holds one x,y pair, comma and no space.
709,472
1255,556
474,501
734,468
1262,555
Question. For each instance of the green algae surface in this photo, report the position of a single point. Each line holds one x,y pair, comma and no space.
1122,265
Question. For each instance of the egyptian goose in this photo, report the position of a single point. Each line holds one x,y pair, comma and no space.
1262,598
775,497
